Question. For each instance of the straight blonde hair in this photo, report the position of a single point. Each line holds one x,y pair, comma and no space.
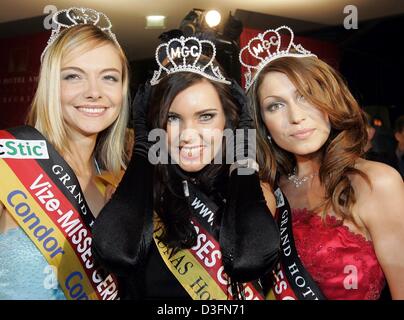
46,110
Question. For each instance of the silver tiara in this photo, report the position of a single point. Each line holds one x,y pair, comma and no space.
183,55
266,47
76,16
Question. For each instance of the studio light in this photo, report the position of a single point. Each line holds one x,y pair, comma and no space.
207,25
213,18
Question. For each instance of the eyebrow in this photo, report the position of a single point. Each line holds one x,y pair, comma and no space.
82,71
278,97
205,110
196,113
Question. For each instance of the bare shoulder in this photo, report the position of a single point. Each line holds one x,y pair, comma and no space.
381,194
381,210
269,196
382,178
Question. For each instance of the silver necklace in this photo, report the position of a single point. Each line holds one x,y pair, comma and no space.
299,181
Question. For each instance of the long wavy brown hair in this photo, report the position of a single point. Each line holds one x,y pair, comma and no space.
324,88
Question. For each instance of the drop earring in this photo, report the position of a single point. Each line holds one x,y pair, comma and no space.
269,139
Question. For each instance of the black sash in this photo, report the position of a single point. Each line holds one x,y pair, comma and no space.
299,280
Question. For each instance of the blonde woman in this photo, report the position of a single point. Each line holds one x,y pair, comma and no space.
56,171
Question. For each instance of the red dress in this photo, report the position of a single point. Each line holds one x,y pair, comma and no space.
343,264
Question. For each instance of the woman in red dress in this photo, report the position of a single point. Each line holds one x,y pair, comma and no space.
347,213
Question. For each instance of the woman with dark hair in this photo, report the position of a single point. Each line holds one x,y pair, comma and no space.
188,225
341,235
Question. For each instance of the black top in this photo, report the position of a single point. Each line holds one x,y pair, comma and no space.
123,234
154,282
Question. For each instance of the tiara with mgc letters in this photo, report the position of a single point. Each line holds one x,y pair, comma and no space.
182,55
76,16
266,47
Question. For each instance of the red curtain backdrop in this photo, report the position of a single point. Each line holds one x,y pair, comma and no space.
19,67
326,51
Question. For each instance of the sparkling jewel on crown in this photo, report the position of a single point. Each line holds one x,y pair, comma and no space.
266,47
182,55
76,16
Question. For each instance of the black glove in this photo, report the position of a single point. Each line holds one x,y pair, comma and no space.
244,142
249,235
239,95
140,107
122,232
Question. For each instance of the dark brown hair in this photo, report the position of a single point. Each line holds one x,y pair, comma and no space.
169,202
